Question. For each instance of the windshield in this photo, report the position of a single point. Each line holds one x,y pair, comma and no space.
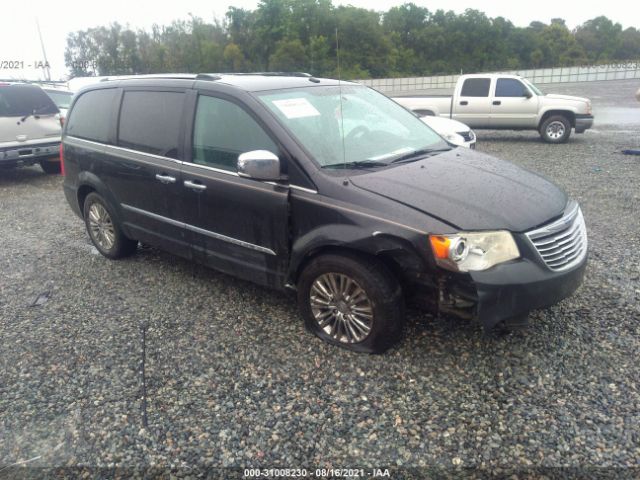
533,88
376,129
61,99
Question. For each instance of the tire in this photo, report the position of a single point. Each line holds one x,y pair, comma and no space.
556,129
378,322
103,229
51,167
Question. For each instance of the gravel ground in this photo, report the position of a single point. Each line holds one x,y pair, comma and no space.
233,379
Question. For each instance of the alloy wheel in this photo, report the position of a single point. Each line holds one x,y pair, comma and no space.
101,227
341,307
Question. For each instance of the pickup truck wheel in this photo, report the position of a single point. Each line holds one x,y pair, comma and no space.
555,129
104,231
351,302
50,167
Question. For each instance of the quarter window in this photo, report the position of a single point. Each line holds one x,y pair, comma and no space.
509,87
150,122
90,117
476,87
222,131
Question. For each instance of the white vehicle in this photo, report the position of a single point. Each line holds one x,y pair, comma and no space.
451,130
30,127
510,102
61,97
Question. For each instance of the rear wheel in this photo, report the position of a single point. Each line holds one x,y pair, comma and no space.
104,230
50,167
352,302
555,129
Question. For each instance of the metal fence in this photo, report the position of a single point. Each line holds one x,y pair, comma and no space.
615,71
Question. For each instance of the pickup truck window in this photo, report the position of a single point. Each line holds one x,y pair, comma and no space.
510,87
476,87
222,131
368,125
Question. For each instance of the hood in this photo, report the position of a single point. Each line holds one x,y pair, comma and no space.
470,191
441,124
553,96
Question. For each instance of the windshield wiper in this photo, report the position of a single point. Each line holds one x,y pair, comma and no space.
35,113
359,164
419,154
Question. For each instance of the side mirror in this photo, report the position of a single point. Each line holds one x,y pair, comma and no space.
528,94
259,165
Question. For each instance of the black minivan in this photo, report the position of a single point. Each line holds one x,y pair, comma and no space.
325,187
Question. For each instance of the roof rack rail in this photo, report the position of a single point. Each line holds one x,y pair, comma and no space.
208,76
265,74
283,74
150,76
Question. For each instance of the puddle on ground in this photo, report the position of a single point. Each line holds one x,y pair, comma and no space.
617,116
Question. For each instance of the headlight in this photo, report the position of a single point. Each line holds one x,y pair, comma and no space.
473,251
453,138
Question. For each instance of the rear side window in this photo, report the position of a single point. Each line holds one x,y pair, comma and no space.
90,117
509,87
20,100
222,131
476,87
150,122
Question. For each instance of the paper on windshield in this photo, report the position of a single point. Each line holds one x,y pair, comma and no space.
296,108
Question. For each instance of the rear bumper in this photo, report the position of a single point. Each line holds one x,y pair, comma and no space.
28,154
583,122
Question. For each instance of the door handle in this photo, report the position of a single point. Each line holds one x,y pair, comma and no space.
497,102
464,102
194,186
164,178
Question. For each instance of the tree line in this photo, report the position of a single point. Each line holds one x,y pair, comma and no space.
302,35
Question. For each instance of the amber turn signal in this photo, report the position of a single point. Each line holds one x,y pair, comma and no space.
440,246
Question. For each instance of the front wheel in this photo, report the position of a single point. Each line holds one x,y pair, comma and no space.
555,129
104,230
352,302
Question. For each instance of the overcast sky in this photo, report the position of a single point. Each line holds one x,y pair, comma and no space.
19,38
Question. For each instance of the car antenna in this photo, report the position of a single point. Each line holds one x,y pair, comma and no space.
344,154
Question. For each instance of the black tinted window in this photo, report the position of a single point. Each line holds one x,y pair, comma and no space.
223,131
91,115
150,122
509,87
20,100
476,87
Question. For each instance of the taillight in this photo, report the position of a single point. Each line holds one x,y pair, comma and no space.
62,159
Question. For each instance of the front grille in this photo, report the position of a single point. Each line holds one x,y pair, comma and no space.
468,135
562,243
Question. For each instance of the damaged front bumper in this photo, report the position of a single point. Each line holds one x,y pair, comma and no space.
514,289
505,293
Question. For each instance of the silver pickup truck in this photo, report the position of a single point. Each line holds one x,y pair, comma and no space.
495,101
